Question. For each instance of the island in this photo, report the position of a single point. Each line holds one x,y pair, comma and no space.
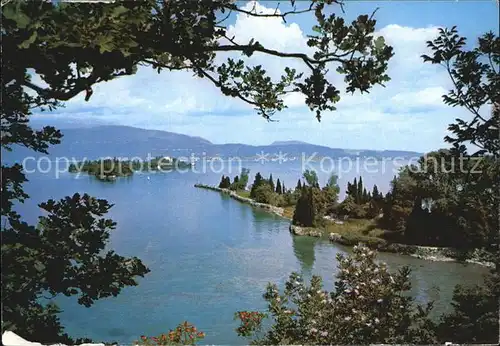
111,169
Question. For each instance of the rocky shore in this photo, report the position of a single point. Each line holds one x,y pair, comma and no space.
430,253
423,252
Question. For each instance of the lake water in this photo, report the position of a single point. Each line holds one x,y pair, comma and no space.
209,255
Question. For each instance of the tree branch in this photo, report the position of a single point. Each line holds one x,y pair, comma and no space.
272,15
80,85
235,94
256,48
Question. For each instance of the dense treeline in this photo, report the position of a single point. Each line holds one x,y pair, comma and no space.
360,203
261,190
239,183
444,200
314,202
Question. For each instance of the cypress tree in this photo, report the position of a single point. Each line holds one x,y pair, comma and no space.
256,183
222,180
304,209
365,196
375,193
299,185
283,188
354,189
360,191
278,187
271,182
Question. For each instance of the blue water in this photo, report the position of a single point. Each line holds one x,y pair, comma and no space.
209,255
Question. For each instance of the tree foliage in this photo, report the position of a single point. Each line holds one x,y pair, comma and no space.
63,255
476,84
265,194
73,46
311,178
474,318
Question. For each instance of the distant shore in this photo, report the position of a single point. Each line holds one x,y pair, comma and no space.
429,253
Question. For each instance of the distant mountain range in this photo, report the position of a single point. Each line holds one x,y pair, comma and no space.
124,141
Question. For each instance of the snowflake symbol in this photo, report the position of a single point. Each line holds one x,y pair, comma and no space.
262,157
282,157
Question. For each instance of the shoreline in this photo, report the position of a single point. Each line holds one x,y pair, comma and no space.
429,253
279,211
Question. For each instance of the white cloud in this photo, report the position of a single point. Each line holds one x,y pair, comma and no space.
428,97
381,119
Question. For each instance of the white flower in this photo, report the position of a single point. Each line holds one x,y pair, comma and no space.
377,320
318,291
356,291
324,301
287,312
361,297
297,283
313,321
368,324
308,295
348,318
354,311
380,300
313,330
347,291
324,333
278,299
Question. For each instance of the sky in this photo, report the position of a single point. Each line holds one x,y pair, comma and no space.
408,114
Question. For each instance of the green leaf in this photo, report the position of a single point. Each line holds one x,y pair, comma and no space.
21,19
118,11
379,43
29,41
316,28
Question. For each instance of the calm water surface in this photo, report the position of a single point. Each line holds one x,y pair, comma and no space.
209,255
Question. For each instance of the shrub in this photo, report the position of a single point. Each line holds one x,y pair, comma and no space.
475,315
368,305
184,334
264,194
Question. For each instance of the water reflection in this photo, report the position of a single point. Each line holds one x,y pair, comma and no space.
303,248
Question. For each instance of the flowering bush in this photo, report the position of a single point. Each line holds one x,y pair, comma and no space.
184,334
368,305
250,322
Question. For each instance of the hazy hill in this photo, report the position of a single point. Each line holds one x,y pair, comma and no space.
125,141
